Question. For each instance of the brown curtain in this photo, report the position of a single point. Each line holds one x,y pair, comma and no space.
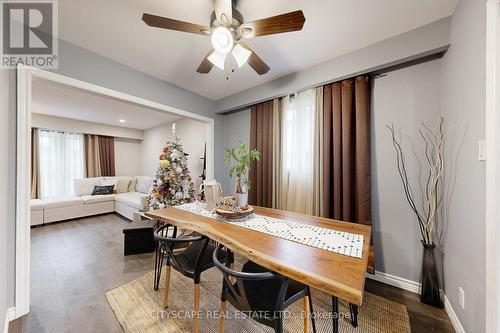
107,155
261,138
346,150
99,155
92,160
35,165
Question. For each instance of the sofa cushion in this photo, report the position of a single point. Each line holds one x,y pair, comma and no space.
37,204
137,202
122,185
131,186
103,190
66,201
143,184
123,197
84,186
88,199
132,199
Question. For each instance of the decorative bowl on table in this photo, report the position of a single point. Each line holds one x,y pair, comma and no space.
227,207
231,214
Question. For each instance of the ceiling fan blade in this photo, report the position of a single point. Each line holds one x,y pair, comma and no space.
206,65
224,11
256,62
171,24
293,21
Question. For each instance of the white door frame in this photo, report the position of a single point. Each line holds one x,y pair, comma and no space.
25,75
492,254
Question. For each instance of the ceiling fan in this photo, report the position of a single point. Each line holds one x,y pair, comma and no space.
227,29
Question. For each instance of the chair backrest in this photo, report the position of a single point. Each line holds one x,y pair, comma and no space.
169,243
236,292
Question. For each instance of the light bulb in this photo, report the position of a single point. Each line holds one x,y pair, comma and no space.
222,40
241,54
218,59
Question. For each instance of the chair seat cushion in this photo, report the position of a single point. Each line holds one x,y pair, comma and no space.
66,201
88,199
37,204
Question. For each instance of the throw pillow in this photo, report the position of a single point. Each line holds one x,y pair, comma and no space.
103,189
131,186
122,185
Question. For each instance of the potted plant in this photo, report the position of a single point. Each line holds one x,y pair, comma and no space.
241,157
434,140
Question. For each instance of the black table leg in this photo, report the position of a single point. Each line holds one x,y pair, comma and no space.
335,314
354,314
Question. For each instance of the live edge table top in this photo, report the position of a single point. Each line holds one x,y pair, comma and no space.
333,273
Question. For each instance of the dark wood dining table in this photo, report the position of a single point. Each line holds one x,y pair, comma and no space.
341,276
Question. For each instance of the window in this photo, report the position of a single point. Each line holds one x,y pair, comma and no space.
61,161
298,135
298,152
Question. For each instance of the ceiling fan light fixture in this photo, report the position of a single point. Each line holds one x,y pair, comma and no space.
218,59
241,54
222,40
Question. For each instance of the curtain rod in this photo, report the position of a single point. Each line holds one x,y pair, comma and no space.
375,73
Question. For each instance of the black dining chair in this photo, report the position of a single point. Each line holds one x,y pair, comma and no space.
191,261
261,293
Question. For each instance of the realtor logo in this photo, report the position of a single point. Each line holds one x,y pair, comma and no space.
29,34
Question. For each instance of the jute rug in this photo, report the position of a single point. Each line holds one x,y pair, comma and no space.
137,307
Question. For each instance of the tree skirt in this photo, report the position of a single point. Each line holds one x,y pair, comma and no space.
138,309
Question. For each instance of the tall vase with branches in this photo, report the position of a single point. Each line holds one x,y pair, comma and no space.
434,140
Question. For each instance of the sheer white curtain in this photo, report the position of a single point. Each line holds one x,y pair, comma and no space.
299,152
61,160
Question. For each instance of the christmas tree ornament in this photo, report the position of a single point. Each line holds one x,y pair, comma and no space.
164,164
175,154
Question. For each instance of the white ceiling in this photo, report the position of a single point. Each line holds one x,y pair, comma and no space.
113,28
63,101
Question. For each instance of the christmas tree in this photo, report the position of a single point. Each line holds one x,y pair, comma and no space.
172,184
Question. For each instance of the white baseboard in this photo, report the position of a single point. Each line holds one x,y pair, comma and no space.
452,315
395,281
414,287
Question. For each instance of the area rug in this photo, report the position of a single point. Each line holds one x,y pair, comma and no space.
137,307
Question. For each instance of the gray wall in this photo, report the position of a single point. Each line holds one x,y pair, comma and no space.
6,261
82,64
405,98
464,101
236,129
394,50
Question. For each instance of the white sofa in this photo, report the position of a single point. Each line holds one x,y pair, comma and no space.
83,203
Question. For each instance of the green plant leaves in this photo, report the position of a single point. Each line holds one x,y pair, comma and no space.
241,157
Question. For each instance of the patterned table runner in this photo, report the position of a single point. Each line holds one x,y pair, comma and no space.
340,242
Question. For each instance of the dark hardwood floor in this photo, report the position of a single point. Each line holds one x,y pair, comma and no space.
74,263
